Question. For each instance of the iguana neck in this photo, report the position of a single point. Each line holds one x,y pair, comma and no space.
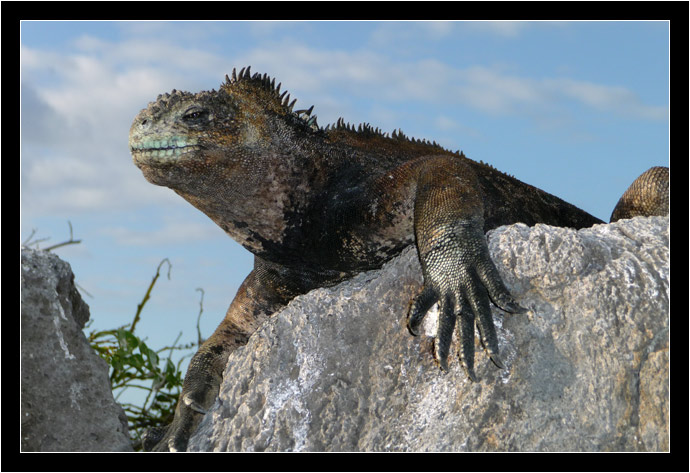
269,192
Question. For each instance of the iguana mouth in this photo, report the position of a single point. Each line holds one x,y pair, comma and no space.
163,148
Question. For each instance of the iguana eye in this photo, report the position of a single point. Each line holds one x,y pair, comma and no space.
195,115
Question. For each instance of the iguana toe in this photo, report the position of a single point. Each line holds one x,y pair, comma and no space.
444,334
419,307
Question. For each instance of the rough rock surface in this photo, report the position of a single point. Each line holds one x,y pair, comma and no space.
66,401
586,369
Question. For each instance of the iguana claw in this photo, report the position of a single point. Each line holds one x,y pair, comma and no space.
459,273
193,405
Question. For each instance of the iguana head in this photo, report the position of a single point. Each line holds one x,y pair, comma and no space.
237,154
183,140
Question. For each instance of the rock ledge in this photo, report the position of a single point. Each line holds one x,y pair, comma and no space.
586,369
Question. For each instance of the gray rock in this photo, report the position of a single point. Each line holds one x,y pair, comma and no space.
66,401
586,370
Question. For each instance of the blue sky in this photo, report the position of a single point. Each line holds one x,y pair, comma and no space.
578,109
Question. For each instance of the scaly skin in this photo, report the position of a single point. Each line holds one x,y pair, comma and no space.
648,195
318,205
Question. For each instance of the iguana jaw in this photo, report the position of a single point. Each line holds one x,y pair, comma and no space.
165,159
162,151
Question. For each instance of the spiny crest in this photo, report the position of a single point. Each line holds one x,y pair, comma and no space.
282,102
366,130
268,85
362,128
165,101
494,169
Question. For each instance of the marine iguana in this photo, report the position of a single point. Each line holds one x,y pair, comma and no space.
318,205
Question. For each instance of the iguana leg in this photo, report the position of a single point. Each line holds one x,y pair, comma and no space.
648,195
263,292
457,267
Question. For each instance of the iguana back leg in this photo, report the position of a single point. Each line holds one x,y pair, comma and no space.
267,289
648,195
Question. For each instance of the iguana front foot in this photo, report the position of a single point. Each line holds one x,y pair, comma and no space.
459,273
199,391
174,436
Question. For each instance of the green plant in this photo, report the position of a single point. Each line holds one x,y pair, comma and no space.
133,365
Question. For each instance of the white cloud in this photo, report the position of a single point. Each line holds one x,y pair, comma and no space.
77,108
448,124
101,78
497,93
64,185
440,29
606,98
170,233
69,170
508,29
395,32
